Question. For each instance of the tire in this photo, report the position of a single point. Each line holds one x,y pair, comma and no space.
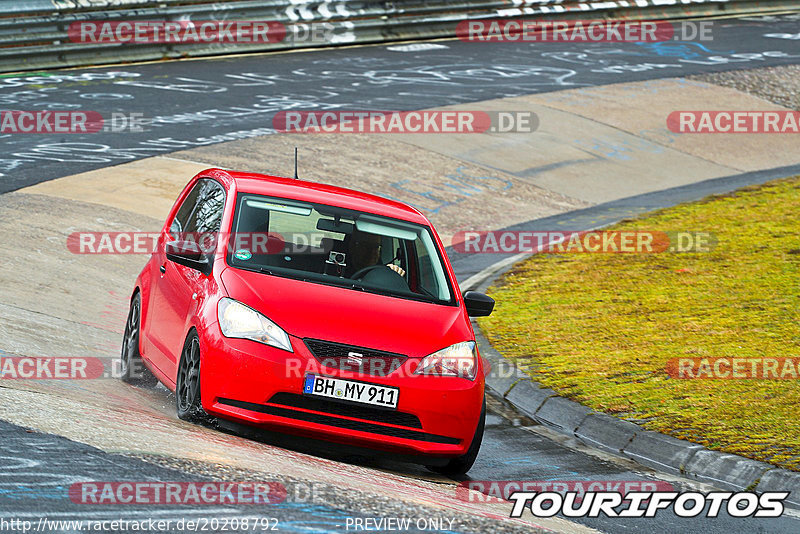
188,402
461,464
132,369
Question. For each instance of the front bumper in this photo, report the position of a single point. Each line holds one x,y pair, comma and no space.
262,386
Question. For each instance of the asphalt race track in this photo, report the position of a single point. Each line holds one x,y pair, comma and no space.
188,103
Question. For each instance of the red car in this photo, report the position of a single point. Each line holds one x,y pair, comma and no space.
313,310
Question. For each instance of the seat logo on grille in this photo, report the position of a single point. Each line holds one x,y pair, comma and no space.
355,359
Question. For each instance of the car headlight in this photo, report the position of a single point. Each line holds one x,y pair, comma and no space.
456,360
240,321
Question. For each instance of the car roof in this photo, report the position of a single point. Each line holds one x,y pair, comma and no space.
277,186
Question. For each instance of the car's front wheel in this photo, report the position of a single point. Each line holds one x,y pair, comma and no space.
461,464
132,370
187,389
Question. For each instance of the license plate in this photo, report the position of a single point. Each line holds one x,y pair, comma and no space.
351,390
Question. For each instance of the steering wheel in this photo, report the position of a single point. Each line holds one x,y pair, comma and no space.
358,275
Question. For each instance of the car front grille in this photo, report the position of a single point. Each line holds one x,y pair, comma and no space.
356,359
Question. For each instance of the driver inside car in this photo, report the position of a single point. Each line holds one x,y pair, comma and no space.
364,251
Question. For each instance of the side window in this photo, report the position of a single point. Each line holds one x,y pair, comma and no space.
181,219
201,211
207,215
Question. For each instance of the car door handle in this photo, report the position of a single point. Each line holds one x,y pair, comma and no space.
163,269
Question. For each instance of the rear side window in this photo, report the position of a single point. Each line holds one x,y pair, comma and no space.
201,211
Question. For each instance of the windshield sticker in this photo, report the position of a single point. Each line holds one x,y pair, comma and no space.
243,254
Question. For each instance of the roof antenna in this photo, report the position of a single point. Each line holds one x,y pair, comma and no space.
295,163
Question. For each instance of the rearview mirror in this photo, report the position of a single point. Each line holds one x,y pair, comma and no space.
189,254
478,304
330,225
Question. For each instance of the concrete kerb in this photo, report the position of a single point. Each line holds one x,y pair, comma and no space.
651,449
529,397
562,414
781,480
660,451
727,471
606,432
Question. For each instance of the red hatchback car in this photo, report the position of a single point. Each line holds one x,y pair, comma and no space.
313,310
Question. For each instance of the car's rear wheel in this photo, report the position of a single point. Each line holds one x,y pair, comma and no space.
461,464
132,370
187,389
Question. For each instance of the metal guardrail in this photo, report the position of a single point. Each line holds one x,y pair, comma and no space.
34,33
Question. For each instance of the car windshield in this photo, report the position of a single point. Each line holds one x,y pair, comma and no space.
331,245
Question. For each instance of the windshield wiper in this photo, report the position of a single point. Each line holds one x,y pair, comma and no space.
265,270
340,282
345,282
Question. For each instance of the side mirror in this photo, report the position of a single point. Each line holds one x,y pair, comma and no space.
478,304
189,254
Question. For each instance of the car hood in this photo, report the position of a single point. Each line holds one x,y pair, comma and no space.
330,313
